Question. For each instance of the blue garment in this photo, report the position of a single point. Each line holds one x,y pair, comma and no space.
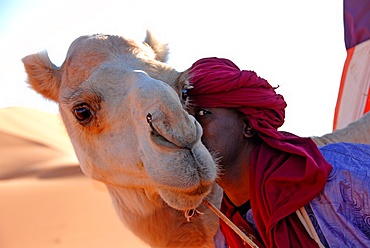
341,212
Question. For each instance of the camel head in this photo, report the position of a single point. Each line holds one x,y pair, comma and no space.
120,104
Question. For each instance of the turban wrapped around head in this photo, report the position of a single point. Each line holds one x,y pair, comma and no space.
286,171
219,82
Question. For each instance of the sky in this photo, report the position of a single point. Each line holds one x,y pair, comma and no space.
296,45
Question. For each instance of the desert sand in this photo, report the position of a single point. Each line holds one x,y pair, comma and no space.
45,199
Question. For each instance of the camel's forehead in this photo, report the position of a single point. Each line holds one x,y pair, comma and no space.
113,81
120,79
116,76
100,45
87,53
107,76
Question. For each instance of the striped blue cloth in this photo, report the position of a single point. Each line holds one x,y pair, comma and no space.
341,212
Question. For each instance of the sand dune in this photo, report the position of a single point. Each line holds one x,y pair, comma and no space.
45,200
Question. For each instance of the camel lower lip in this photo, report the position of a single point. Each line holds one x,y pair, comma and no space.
182,201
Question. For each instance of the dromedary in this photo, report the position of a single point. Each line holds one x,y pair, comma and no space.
120,104
355,132
130,131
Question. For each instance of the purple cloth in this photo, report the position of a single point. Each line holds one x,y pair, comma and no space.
356,22
341,213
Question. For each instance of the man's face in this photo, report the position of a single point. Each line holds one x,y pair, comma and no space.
222,133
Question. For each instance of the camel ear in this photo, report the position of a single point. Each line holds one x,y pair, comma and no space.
160,49
43,76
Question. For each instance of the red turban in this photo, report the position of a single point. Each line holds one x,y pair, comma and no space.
286,171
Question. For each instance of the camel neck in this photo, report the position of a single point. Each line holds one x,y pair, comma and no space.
151,219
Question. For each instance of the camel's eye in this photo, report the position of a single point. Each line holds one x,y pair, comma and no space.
184,94
83,113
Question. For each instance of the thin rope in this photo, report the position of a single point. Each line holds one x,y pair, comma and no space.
230,224
306,221
191,213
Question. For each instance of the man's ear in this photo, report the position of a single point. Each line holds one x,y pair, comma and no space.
248,130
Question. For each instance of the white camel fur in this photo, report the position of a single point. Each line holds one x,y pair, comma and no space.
120,104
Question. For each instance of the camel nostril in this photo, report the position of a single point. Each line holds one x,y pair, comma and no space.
162,132
149,118
157,137
199,130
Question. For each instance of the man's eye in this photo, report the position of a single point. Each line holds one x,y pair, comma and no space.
202,112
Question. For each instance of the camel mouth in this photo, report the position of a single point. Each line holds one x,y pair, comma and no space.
161,141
